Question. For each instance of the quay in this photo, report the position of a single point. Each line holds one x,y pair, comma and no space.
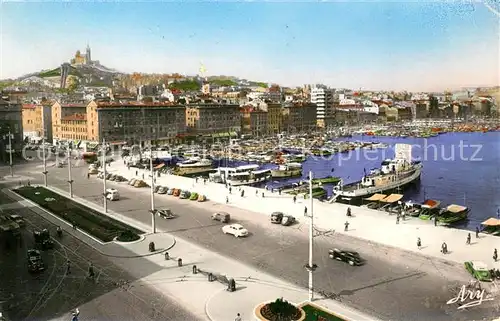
370,225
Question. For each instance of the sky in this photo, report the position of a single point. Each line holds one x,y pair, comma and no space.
414,46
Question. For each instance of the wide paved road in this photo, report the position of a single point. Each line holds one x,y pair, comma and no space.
393,284
52,294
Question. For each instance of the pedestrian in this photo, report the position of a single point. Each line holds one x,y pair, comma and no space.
346,226
294,199
477,232
196,180
256,192
238,317
404,215
468,239
242,193
136,173
227,199
88,175
305,210
435,221
279,191
262,194
68,267
444,248
91,270
230,189
397,219
74,226
142,175
495,255
419,243
204,181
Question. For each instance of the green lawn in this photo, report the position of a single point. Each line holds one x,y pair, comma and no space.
97,224
314,313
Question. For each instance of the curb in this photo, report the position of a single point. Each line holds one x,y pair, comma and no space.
174,241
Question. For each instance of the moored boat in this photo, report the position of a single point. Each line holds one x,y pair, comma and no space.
429,209
287,170
453,213
326,180
194,165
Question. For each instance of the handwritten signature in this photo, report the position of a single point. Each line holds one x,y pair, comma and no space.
475,298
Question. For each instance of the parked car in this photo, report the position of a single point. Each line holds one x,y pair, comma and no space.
140,183
35,262
156,189
184,194
202,198
112,194
170,191
165,213
287,220
193,197
176,192
350,257
221,216
478,270
18,219
43,240
132,182
235,229
276,217
163,190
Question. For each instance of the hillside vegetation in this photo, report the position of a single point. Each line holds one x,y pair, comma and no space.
185,85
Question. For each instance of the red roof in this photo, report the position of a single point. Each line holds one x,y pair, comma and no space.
29,106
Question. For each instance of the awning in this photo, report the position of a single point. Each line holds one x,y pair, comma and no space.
376,197
456,208
491,222
392,198
160,166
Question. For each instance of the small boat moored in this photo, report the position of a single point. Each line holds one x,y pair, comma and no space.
453,213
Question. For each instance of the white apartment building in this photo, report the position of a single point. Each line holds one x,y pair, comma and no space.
322,96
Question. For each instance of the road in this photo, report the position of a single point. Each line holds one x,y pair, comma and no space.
116,293
393,284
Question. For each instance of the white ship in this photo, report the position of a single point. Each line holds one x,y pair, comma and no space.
394,174
194,165
241,175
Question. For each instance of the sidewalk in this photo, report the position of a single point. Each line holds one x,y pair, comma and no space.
208,300
371,225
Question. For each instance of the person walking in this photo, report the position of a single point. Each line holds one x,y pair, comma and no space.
305,210
68,267
238,317
91,271
294,199
419,243
444,248
88,175
468,239
397,218
346,226
256,192
262,194
230,190
227,199
495,255
477,232
435,221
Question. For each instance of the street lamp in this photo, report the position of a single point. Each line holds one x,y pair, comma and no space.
104,176
44,163
311,267
10,136
70,180
153,219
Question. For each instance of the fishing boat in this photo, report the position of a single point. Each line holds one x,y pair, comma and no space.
287,170
428,209
375,201
194,165
453,213
326,180
394,174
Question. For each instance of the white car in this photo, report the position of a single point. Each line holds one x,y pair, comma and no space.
235,229
112,194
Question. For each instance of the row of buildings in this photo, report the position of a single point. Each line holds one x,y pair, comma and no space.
160,122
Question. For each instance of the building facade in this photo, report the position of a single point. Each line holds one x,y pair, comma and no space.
274,118
253,121
213,119
32,120
68,119
11,121
322,97
135,122
299,117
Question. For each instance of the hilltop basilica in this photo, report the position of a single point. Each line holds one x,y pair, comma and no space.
80,59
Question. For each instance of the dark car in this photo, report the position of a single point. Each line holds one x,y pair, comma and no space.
165,213
157,187
221,216
276,217
35,262
43,240
349,257
288,220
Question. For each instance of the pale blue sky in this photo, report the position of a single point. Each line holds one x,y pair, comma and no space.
372,45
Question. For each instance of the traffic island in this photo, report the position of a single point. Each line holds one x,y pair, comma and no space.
279,310
88,220
316,313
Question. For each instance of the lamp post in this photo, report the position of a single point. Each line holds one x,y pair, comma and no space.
153,219
10,154
44,163
70,180
104,176
310,266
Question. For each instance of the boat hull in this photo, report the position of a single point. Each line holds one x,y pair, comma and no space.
248,182
275,173
183,171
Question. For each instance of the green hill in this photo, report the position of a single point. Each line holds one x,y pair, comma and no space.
56,72
223,82
185,85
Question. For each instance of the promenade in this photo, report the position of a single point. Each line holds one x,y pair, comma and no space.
370,225
206,300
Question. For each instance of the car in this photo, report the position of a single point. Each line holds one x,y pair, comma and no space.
184,195
235,229
478,270
156,189
163,190
287,220
350,257
221,217
276,217
132,181
176,192
112,194
193,197
202,198
165,213
170,191
35,262
18,219
43,240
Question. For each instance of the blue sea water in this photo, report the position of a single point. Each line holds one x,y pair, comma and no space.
459,168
